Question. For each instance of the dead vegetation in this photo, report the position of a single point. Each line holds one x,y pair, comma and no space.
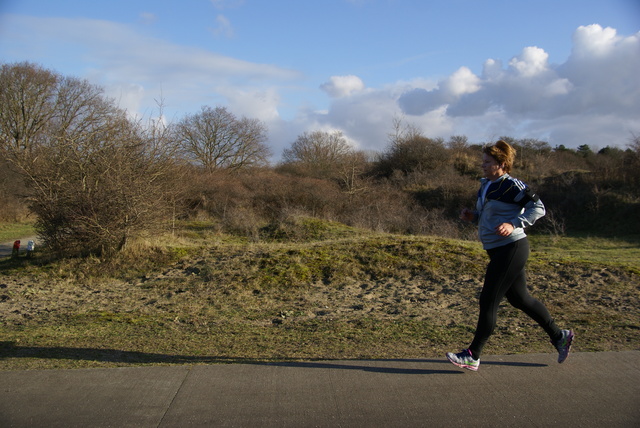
362,295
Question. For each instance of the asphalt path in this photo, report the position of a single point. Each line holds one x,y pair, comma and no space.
597,389
531,390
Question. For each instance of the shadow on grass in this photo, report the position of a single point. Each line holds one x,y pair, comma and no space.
8,263
10,350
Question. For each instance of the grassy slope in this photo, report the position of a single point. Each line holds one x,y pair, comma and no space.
11,231
346,294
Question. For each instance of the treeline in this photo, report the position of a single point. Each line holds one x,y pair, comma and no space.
94,178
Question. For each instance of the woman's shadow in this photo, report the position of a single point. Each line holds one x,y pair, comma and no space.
10,350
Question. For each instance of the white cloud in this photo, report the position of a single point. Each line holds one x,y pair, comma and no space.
593,96
366,117
148,18
136,69
419,100
129,97
603,68
342,86
256,103
462,82
594,41
120,51
223,27
531,62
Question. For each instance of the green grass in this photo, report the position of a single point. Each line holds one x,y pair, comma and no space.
13,231
110,343
200,297
607,251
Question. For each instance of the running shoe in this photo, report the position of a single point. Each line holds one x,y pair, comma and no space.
563,345
464,359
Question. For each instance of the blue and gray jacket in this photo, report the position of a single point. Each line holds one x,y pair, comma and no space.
506,200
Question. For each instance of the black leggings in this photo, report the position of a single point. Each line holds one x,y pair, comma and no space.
506,277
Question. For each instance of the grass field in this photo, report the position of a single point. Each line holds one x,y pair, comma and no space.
618,252
203,297
12,231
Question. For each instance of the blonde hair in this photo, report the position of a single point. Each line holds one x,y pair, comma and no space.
503,153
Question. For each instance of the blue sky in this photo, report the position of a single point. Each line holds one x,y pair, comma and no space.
564,71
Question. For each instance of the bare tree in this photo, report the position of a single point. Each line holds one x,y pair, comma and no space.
94,177
634,144
215,138
632,160
351,173
458,143
27,101
319,154
410,151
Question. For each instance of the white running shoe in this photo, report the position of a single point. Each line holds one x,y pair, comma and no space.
464,359
563,345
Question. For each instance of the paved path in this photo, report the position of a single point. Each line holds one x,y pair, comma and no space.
532,390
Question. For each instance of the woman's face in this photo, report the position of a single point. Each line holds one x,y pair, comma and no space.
492,170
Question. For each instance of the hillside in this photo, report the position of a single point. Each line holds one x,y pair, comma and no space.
345,294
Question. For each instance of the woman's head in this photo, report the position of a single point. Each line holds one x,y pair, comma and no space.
503,153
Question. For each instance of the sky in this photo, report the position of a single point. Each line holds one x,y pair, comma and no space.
562,71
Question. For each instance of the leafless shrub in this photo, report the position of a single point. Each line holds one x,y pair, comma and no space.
317,154
552,224
93,177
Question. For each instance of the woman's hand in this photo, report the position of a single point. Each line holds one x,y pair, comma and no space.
467,215
504,229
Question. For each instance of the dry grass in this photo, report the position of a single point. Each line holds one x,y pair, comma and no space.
9,232
204,297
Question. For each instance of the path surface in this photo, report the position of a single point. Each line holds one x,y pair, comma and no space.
532,390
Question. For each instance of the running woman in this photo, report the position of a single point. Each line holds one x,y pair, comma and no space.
505,206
